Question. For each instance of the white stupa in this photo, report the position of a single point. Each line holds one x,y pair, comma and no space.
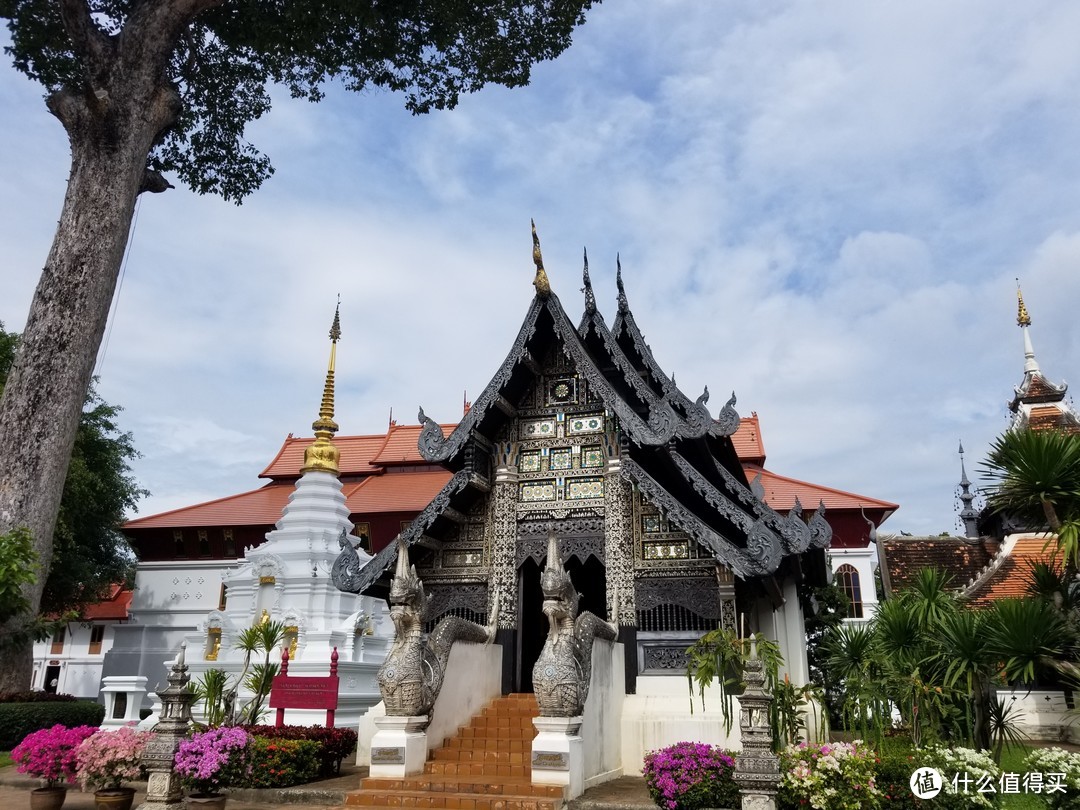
287,580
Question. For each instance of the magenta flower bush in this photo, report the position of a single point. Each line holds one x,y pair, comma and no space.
691,775
107,758
49,753
211,760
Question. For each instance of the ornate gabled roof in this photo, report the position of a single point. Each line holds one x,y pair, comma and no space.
645,421
678,456
694,412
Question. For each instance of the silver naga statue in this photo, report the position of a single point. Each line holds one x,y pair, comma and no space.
412,674
562,672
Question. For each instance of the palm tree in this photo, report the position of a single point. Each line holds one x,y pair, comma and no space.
1035,475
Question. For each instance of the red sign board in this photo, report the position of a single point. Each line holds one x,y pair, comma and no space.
290,692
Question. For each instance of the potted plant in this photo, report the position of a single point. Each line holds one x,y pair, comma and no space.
49,754
211,760
104,760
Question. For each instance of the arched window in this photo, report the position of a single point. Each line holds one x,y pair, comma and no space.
848,580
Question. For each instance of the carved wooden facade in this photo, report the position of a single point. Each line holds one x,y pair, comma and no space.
580,432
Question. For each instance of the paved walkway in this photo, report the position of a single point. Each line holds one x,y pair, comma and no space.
625,793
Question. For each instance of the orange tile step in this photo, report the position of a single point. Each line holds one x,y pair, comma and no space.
451,801
465,784
489,769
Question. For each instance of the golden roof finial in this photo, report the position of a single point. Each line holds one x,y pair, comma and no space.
321,455
543,286
1022,317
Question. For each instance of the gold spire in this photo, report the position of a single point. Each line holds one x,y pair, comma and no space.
1022,317
321,455
543,287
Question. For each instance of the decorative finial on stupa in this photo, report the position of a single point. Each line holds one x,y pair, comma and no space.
624,305
1023,320
321,455
540,281
1022,317
590,298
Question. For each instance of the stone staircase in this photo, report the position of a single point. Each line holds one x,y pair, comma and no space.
485,766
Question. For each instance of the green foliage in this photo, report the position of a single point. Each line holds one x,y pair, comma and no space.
262,638
89,553
281,763
334,743
1035,476
719,657
1005,731
1054,760
210,690
18,562
19,719
1027,635
224,60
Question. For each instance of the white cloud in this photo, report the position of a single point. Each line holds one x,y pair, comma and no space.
823,208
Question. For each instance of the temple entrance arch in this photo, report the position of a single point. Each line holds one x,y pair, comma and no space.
589,576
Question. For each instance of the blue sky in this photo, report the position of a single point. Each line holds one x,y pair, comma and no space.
822,207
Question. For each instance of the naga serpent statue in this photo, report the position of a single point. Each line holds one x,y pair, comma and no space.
562,672
412,674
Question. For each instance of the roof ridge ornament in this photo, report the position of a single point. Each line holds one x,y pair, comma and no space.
321,455
1022,316
1023,320
540,281
624,305
590,297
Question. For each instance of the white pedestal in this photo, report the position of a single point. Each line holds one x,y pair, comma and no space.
558,754
399,747
123,698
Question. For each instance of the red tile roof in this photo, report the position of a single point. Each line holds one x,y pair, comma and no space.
255,508
781,491
1010,577
115,606
400,446
963,558
748,442
360,455
395,492
356,454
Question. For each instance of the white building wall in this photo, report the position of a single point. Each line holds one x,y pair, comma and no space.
864,561
76,670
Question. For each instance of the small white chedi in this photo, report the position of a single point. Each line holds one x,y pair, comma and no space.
287,580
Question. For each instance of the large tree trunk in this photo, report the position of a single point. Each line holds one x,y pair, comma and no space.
111,126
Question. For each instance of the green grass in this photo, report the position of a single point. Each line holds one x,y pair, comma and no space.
1012,761
5,759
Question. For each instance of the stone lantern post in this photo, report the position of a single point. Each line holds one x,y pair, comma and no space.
757,768
163,787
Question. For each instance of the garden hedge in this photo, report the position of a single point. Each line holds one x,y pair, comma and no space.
19,719
335,743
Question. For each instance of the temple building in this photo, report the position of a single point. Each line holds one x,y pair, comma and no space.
580,432
587,426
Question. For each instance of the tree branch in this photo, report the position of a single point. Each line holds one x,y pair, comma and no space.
91,44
